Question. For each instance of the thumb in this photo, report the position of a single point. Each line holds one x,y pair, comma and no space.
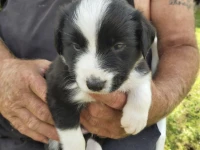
43,65
38,86
115,100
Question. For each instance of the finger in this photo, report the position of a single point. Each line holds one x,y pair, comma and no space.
43,65
92,120
114,126
93,129
102,111
38,85
100,123
115,100
17,124
38,108
36,125
103,132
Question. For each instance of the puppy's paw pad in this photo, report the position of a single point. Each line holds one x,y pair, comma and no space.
133,124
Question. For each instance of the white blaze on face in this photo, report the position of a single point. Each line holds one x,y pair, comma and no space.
88,19
87,66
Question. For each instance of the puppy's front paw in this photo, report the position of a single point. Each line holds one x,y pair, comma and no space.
72,139
53,145
133,123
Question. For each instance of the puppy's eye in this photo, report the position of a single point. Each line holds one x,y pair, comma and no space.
76,46
118,46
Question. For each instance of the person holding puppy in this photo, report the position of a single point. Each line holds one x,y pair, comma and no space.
26,50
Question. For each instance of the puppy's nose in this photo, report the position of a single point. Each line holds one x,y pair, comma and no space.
95,84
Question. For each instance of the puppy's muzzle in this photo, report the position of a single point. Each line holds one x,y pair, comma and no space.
95,84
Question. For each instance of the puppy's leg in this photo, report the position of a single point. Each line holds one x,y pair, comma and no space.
66,116
72,139
135,112
53,145
93,145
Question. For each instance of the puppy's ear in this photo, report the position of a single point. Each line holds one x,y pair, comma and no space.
131,2
58,34
58,40
146,34
63,14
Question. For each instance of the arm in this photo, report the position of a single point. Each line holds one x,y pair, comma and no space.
179,57
27,111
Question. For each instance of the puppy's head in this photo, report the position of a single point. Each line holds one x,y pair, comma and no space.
101,41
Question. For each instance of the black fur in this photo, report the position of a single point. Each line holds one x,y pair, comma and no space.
58,97
122,23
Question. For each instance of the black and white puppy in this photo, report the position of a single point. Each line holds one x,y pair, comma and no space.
102,46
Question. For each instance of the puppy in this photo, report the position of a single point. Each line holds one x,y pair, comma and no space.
103,46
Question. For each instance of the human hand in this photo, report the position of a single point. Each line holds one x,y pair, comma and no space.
103,117
22,98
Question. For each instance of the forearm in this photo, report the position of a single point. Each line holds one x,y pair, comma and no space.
143,6
4,51
175,76
179,58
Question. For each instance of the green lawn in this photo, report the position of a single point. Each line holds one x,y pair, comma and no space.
183,127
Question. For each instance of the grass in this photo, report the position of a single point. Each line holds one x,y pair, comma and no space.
183,127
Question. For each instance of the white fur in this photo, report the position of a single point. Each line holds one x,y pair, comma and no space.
135,112
93,145
63,59
53,145
88,18
72,139
72,86
82,97
88,65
